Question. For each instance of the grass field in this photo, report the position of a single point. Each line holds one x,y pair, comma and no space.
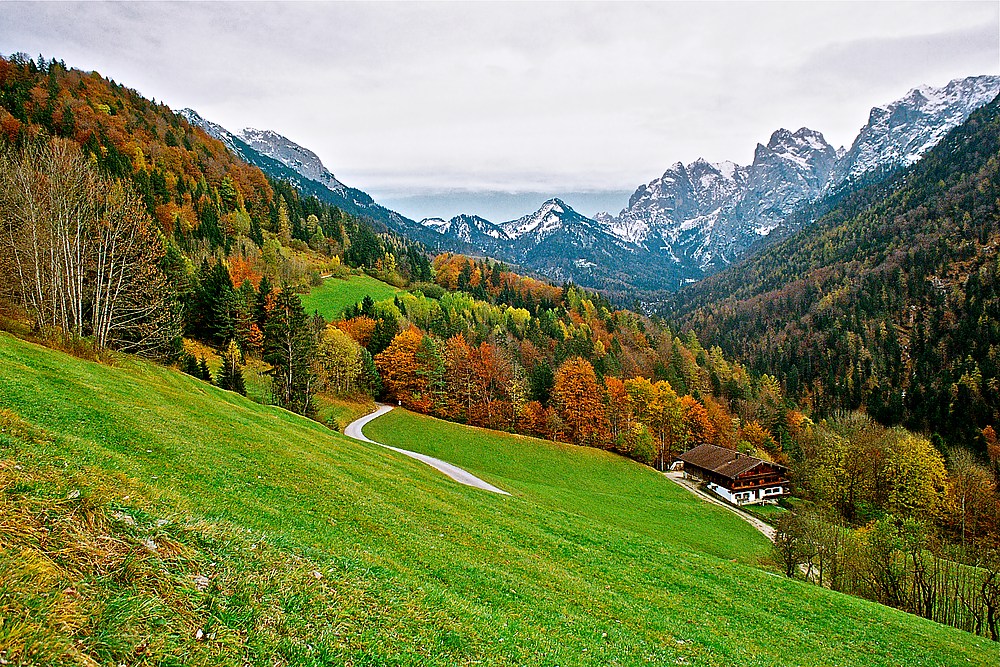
339,411
336,294
148,518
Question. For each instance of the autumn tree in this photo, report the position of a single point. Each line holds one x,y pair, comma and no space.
698,427
81,254
970,495
577,397
397,366
757,438
616,408
460,376
340,361
993,450
231,373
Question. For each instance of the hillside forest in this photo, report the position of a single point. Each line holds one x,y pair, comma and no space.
125,229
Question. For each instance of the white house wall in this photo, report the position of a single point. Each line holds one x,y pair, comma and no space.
746,497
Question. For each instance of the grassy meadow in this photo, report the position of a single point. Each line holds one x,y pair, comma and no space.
147,518
337,294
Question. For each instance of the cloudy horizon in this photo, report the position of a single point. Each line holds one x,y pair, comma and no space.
438,109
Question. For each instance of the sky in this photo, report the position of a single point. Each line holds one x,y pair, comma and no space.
437,109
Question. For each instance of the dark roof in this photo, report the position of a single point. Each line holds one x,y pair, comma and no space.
722,461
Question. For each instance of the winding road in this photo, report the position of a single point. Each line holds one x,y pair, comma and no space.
353,430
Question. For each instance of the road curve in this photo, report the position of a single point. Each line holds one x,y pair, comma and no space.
353,430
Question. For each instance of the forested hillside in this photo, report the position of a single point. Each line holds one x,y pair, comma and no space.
102,187
122,227
209,204
225,252
890,303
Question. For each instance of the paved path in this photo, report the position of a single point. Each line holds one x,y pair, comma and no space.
766,529
353,430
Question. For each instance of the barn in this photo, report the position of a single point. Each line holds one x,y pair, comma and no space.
738,478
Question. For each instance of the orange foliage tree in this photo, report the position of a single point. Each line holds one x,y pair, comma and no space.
397,365
577,397
359,328
698,428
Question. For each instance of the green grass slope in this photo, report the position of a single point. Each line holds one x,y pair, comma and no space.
601,487
147,518
337,294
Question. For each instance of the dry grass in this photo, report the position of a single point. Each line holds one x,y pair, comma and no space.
90,576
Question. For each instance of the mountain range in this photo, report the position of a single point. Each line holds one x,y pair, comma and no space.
890,302
698,218
689,223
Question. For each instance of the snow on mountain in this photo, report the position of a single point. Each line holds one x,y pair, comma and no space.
290,154
472,229
440,225
791,170
704,216
270,144
691,221
283,159
551,217
897,134
216,131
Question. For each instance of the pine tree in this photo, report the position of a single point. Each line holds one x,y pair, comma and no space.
289,346
231,373
189,364
203,371
260,310
369,381
384,332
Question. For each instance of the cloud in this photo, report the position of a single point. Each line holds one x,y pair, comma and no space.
406,99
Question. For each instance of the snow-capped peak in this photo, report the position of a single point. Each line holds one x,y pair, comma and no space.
290,154
553,215
899,133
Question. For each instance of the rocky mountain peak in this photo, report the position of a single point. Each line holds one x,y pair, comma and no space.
898,133
290,154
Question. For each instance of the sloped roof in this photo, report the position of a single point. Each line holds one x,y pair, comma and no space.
722,461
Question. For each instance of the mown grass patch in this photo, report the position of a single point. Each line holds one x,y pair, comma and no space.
337,294
414,569
339,411
603,487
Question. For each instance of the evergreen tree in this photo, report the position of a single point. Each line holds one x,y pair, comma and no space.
260,311
231,373
189,364
289,346
369,381
203,371
385,330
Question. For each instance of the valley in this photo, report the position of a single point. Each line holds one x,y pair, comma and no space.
593,558
250,416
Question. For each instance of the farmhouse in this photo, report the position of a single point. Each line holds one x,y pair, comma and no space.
740,479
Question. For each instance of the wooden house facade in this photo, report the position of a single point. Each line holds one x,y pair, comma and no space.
738,478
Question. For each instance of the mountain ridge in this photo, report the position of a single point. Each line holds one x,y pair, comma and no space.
281,158
698,218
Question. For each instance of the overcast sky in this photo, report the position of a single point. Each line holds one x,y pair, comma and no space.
444,108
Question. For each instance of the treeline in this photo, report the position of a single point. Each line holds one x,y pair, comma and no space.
560,365
889,304
882,514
